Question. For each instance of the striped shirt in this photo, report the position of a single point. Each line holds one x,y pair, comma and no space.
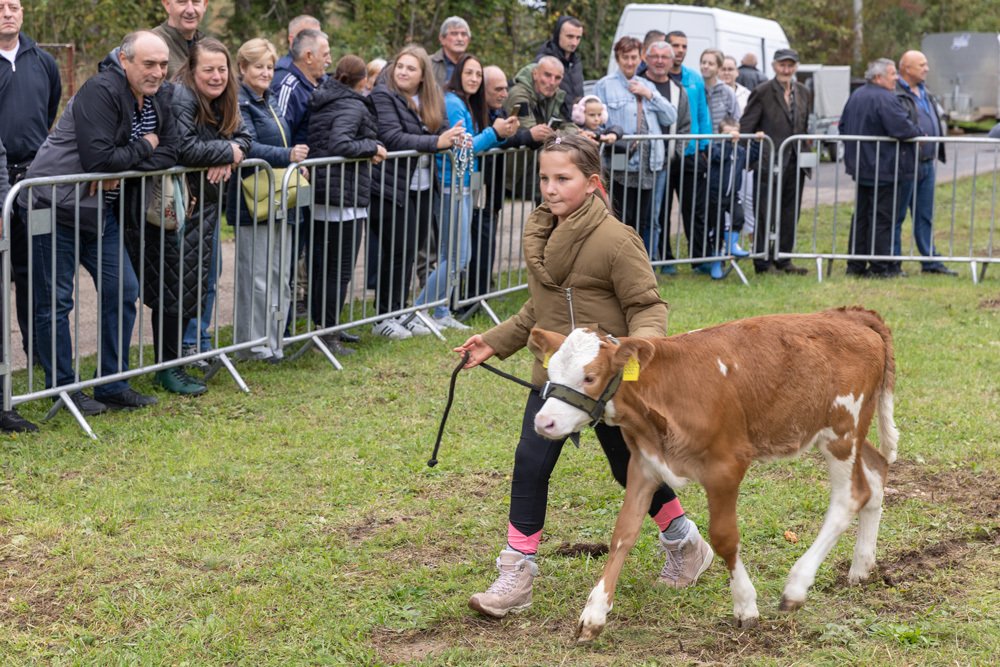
143,123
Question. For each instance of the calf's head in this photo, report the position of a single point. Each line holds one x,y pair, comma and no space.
586,363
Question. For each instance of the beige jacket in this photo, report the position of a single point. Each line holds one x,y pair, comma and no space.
591,271
176,44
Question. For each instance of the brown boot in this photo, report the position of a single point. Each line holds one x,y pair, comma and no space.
511,592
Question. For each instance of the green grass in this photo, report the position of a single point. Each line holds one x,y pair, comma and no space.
299,524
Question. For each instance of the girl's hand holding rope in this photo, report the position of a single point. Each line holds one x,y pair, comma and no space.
477,350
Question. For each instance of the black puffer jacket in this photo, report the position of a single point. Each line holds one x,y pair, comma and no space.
186,254
572,81
400,129
343,124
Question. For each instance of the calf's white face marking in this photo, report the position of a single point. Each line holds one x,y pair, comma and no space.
557,419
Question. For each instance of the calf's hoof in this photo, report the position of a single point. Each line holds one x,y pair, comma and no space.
857,578
787,605
586,634
747,623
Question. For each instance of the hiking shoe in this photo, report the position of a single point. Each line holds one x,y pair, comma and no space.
87,406
12,422
416,327
449,322
336,345
129,399
511,592
179,382
391,329
687,558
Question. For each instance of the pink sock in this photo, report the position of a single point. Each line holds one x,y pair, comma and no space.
667,513
526,544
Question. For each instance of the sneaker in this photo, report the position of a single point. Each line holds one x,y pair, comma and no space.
349,338
87,406
687,558
391,329
511,592
416,327
336,345
449,322
129,399
12,422
190,351
668,270
179,382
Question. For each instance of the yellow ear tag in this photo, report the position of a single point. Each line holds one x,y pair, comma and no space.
630,372
545,361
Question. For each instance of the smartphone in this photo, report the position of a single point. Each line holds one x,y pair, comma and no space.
554,122
516,111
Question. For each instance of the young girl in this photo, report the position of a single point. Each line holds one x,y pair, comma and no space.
584,267
591,115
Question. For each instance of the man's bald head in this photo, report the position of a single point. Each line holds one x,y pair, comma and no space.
913,68
750,59
494,87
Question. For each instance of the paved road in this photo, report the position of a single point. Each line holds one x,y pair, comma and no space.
833,183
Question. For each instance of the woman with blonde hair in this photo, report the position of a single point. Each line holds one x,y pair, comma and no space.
270,135
411,117
373,69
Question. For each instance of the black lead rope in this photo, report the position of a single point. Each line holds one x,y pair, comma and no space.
575,437
451,397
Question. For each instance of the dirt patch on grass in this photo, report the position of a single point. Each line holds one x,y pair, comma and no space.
990,304
581,549
977,494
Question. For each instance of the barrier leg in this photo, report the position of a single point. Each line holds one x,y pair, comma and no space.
819,269
427,323
321,346
223,360
975,275
65,401
489,311
739,272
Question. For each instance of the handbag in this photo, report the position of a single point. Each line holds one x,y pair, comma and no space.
255,193
638,126
172,196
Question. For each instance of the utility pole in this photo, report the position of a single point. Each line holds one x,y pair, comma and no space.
858,31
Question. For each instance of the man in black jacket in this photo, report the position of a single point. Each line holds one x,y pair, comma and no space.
563,45
749,76
10,420
878,168
30,90
116,122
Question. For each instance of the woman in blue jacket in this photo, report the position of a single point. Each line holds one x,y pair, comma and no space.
465,104
254,245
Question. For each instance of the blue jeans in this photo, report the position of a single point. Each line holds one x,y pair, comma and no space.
922,214
651,232
437,282
104,267
199,329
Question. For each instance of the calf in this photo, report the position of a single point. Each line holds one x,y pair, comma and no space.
706,404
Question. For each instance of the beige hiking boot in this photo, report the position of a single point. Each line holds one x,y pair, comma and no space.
511,592
686,559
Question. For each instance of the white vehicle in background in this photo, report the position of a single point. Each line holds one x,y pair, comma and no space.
965,73
733,33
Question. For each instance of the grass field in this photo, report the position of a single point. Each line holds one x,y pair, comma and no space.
299,524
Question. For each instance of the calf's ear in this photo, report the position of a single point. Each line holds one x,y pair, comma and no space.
546,342
638,348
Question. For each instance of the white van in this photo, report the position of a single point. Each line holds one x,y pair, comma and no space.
733,33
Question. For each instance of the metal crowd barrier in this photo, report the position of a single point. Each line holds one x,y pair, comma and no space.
63,239
344,291
960,229
691,193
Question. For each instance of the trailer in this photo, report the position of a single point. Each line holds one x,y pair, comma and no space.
964,73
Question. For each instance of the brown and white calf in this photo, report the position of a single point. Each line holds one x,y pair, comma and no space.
708,403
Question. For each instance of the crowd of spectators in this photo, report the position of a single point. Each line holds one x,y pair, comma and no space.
174,96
